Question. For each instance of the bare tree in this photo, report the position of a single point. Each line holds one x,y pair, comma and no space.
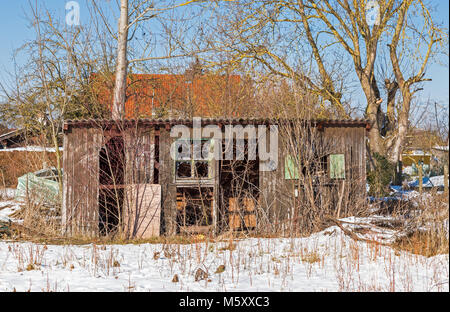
132,14
121,67
271,34
55,82
428,37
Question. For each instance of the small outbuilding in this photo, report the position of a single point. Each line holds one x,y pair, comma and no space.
151,177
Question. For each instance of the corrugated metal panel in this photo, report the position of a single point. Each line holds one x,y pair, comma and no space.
205,121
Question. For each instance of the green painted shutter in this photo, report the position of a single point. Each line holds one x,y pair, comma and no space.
337,166
290,169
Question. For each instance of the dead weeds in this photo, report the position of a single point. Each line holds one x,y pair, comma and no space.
425,243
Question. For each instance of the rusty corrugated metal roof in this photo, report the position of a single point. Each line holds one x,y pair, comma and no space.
206,121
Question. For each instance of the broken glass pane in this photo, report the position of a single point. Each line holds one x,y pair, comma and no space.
183,169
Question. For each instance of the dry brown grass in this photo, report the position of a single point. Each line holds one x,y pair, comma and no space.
310,257
17,163
427,243
24,233
426,232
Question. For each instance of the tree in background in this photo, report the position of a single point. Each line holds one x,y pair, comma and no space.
320,44
54,83
285,51
132,16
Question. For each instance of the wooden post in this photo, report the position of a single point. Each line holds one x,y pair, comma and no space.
168,187
216,197
420,178
446,179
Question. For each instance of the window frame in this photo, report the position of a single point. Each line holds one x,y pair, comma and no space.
193,162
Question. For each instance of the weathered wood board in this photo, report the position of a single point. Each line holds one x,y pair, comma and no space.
143,210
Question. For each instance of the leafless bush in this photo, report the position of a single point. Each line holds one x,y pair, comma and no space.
426,228
308,193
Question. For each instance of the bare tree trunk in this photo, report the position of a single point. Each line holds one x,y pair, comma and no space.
372,113
404,85
391,88
122,63
403,124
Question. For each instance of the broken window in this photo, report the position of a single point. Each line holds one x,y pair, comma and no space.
193,159
194,209
183,169
201,169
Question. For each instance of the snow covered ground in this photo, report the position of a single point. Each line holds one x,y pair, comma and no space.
31,148
7,193
325,261
437,180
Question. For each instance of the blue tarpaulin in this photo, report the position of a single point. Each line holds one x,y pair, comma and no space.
425,183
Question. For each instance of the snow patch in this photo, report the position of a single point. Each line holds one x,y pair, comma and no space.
325,261
31,149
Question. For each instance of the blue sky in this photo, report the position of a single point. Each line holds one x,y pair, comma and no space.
15,31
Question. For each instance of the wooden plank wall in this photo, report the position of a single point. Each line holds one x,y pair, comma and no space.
168,187
80,165
142,218
80,181
139,155
347,140
268,200
351,142
142,201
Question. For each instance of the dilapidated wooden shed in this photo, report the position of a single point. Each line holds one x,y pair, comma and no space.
126,176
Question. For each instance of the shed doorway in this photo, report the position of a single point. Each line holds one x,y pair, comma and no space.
111,185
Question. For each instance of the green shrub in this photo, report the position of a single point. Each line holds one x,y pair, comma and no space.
382,175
